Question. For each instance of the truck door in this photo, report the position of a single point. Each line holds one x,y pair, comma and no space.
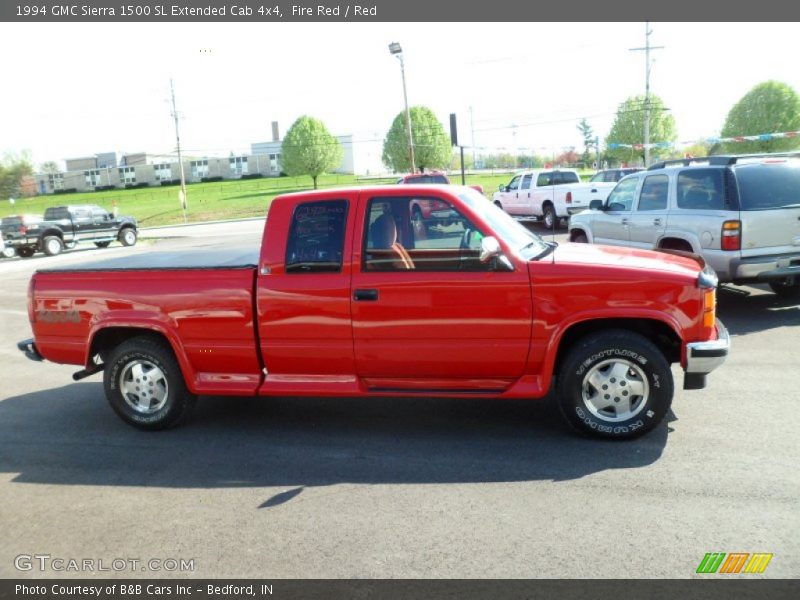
102,223
510,198
648,220
82,223
427,314
303,296
611,226
542,191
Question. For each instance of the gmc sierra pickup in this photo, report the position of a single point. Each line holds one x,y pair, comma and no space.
349,295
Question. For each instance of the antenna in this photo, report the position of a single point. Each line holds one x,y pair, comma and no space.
178,144
648,64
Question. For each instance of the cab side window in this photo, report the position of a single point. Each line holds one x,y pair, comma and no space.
701,189
526,182
621,198
544,179
419,234
654,193
316,237
514,185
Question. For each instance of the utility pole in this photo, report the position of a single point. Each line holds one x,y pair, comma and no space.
472,127
648,64
178,143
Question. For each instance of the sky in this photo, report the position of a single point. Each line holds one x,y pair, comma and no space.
77,89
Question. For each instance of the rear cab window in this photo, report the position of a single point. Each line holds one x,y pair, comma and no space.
316,237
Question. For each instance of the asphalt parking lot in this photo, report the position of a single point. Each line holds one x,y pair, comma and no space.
321,487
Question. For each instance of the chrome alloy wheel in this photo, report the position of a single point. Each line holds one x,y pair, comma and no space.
129,237
143,386
615,390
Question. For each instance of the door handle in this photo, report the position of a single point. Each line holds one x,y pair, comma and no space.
656,221
365,295
625,221
593,190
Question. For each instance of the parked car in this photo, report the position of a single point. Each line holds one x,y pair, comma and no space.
345,299
431,177
15,230
548,195
740,213
66,226
613,175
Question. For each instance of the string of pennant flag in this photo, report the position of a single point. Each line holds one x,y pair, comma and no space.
762,137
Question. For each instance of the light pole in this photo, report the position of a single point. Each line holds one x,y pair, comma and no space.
396,50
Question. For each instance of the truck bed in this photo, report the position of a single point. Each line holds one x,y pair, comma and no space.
204,258
201,300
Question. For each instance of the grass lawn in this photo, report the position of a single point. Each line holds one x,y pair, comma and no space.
212,201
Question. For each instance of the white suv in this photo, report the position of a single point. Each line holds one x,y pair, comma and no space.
741,213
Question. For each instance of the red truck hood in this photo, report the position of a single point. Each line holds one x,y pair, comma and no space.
627,258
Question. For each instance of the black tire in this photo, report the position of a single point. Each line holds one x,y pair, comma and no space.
786,288
167,389
596,356
549,219
580,239
52,245
498,205
102,244
128,236
25,251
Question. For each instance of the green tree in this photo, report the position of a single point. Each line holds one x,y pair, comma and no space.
770,107
589,140
310,149
49,167
432,148
628,128
13,167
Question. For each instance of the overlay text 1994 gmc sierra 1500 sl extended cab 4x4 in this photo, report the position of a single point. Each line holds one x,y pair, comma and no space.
350,296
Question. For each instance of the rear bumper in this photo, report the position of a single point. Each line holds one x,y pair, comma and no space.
28,347
704,357
766,268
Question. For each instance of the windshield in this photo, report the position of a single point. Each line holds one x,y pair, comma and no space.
764,186
515,235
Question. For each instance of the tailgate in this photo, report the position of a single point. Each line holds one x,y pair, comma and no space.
584,193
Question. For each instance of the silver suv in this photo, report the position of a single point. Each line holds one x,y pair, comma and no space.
741,213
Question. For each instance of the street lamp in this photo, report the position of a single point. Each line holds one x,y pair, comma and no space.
396,50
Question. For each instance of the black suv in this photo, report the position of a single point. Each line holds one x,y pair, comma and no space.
66,226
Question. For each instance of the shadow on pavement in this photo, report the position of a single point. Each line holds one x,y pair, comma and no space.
70,436
758,312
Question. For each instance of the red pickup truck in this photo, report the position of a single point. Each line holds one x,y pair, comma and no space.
350,296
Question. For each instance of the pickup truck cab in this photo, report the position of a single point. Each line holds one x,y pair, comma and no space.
548,196
348,296
65,226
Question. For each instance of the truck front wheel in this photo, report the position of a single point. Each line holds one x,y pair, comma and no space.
128,236
145,386
615,384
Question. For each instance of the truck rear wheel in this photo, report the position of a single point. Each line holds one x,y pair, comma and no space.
145,386
549,219
52,245
614,384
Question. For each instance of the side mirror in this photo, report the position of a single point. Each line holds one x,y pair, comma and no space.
490,248
502,188
596,205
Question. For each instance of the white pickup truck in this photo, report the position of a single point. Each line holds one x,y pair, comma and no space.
548,195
